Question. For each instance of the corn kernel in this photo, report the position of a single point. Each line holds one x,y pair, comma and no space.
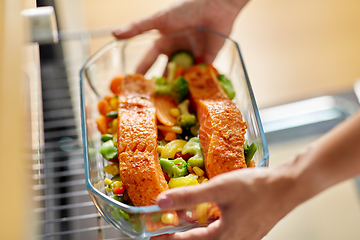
170,149
117,184
175,112
99,184
107,181
159,149
205,180
112,169
114,125
200,179
108,189
198,171
115,170
109,130
183,181
167,218
201,212
193,176
114,103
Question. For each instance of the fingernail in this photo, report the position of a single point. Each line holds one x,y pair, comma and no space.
117,31
121,30
165,202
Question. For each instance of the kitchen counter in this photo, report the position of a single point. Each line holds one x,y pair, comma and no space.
331,215
335,213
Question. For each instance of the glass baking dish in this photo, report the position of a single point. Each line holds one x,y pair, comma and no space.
121,57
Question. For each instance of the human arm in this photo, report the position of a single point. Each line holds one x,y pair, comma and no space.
217,15
256,199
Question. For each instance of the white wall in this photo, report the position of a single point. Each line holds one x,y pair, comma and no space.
15,200
293,49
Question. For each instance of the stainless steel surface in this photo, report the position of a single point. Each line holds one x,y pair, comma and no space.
307,117
40,25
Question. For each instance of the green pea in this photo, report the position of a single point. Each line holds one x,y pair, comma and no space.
106,137
108,150
112,114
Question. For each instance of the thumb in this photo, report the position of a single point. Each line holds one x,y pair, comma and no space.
188,196
140,26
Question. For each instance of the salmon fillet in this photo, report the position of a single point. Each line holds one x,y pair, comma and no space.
202,86
222,128
139,166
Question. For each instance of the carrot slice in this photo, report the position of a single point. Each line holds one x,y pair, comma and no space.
179,71
163,104
152,226
176,220
175,129
170,136
167,135
102,123
108,98
214,211
104,107
115,84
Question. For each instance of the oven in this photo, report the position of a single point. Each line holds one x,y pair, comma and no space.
59,206
62,206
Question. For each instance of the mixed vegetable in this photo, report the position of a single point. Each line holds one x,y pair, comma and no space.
179,149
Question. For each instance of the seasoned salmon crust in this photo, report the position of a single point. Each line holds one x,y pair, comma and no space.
221,136
139,166
222,129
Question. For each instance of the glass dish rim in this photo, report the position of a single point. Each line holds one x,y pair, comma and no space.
152,208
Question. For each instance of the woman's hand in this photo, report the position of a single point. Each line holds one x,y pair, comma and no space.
217,15
251,201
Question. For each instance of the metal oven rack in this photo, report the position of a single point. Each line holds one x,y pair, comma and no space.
63,209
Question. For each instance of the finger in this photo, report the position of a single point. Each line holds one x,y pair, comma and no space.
189,196
209,233
213,43
160,46
140,26
148,60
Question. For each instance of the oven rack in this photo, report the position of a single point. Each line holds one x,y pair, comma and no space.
63,207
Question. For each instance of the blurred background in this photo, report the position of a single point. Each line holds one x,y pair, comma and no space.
292,49
302,57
